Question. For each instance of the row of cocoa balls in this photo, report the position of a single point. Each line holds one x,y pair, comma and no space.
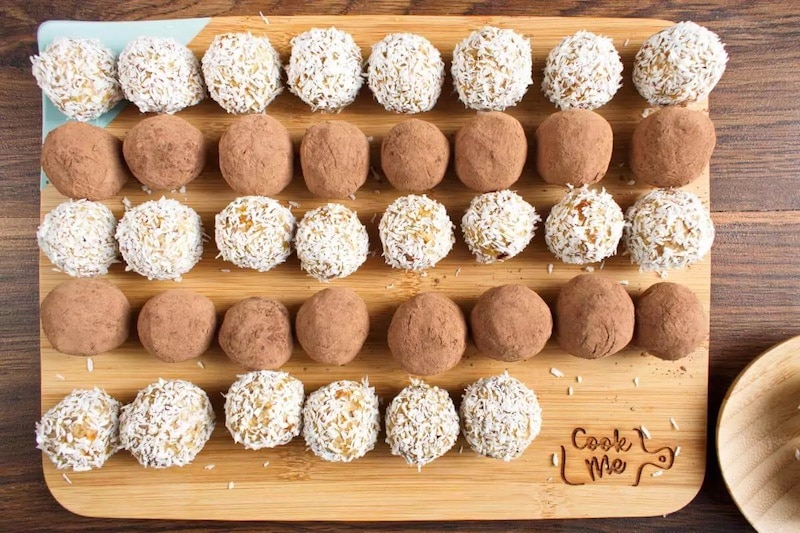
669,148
594,318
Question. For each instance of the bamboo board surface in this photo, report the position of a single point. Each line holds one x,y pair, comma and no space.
461,485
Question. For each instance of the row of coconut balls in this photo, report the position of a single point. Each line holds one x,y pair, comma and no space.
170,421
164,239
491,70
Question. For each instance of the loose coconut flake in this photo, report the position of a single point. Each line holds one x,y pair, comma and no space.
325,69
331,242
421,423
341,420
416,233
680,64
160,75
263,409
78,238
80,432
584,227
255,232
405,73
79,76
498,225
492,69
500,417
583,71
160,239
668,229
243,72
167,424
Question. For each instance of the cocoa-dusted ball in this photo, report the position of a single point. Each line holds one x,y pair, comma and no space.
257,334
86,316
573,147
428,334
414,155
84,161
671,147
165,152
177,325
332,326
594,316
670,321
510,323
256,155
334,156
490,151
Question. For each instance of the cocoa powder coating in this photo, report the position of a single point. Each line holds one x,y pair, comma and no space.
510,323
177,325
414,155
428,334
670,321
257,334
332,326
334,156
84,161
594,316
490,152
86,317
671,147
256,155
573,147
165,152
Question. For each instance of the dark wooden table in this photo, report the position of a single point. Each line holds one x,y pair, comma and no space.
756,203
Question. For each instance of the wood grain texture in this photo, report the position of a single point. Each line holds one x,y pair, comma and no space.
758,439
755,297
384,487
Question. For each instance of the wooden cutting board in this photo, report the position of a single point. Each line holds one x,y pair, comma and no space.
632,476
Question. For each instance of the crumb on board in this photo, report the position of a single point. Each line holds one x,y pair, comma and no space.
461,449
90,364
556,372
797,453
630,183
663,274
293,204
231,485
657,473
579,379
352,197
674,424
66,478
636,381
569,391
59,377
390,286
182,190
264,19
377,191
555,459
209,467
370,139
627,41
127,203
645,432
677,451
624,282
226,270
266,464
458,271
423,274
201,364
588,268
374,216
550,268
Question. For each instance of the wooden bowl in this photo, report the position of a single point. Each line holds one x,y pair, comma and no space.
758,437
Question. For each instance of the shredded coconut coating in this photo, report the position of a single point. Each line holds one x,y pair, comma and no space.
242,72
78,238
160,239
492,69
160,75
167,424
331,242
498,225
668,229
405,73
416,233
680,64
79,76
255,232
583,71
263,409
500,417
421,423
325,69
584,227
81,432
341,420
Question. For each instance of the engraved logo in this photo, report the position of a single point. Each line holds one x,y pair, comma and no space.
591,458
